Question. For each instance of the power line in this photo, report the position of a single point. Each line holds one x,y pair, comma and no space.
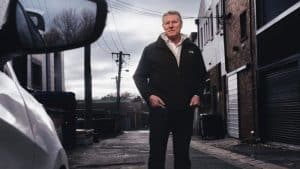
106,44
139,13
118,35
39,4
47,11
102,48
131,5
120,8
113,40
136,10
32,4
127,7
121,42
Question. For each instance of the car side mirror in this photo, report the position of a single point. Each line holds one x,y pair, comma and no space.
45,26
37,19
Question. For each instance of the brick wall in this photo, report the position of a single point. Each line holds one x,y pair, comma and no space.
238,53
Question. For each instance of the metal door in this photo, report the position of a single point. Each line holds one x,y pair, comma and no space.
232,106
281,103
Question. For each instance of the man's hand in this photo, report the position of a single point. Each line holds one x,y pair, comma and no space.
155,101
195,101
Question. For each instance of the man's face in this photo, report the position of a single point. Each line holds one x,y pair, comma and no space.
172,26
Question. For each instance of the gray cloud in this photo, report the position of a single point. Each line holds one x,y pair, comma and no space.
136,32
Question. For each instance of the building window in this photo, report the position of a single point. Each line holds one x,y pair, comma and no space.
205,35
211,27
243,26
221,7
217,18
206,31
201,38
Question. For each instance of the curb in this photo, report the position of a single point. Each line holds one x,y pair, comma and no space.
238,160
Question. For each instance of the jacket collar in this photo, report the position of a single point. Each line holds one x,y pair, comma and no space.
167,40
161,43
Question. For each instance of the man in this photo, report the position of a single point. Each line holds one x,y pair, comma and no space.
170,77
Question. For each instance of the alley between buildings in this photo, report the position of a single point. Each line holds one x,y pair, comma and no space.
130,151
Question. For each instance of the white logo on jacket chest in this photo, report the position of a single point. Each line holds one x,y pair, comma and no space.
191,52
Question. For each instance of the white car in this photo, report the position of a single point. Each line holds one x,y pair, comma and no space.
28,136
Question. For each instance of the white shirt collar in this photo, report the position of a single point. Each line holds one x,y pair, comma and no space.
175,49
167,40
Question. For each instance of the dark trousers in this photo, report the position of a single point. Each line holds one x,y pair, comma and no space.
162,122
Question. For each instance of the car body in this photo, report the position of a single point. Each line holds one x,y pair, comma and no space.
28,136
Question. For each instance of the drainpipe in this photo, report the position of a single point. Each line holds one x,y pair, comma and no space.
224,17
255,130
226,65
198,36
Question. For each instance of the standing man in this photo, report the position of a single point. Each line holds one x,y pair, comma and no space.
170,77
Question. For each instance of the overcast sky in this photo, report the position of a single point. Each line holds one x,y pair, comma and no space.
131,25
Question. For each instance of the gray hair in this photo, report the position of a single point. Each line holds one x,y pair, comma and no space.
172,12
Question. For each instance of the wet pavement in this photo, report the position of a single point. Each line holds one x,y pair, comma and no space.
283,157
278,154
265,156
130,151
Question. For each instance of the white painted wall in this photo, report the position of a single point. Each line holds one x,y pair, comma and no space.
212,49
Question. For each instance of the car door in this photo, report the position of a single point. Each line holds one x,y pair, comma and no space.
47,151
17,141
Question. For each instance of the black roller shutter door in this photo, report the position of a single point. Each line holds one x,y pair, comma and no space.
281,103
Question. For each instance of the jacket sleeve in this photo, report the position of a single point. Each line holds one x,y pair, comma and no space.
201,74
142,74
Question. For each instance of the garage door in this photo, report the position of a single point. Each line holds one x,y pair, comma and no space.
281,103
232,106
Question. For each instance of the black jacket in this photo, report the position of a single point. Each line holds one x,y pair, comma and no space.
159,74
